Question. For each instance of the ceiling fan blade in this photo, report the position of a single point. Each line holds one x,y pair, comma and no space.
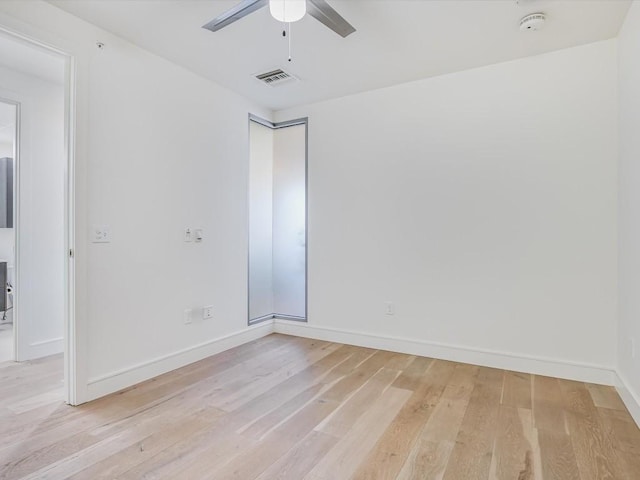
321,11
244,8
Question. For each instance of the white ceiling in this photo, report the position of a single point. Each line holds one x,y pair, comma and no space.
396,40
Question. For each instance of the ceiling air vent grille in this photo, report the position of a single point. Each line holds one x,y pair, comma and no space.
275,77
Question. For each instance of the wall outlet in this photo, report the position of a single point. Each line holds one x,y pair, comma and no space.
101,234
207,312
389,308
187,316
188,234
199,235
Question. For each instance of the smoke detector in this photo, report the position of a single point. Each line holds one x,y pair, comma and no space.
532,22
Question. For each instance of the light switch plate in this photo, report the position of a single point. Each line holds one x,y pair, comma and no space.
101,234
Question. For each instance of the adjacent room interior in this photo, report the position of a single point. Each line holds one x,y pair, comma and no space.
309,239
8,115
32,205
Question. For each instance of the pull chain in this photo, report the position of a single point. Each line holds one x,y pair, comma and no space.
289,41
284,28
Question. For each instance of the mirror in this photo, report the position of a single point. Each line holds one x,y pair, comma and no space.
8,121
6,192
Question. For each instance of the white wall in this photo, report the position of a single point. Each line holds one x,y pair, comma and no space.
6,150
157,149
40,286
629,207
7,240
289,216
260,221
482,203
168,149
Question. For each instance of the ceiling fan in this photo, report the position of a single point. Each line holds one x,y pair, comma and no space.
285,11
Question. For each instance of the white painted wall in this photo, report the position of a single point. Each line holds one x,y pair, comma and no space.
168,149
483,203
7,240
289,216
40,286
158,149
260,221
629,206
6,149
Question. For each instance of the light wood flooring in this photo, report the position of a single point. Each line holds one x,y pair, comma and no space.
292,408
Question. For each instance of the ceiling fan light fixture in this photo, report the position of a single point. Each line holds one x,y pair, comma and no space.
288,10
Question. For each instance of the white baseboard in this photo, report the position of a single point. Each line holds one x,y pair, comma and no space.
41,349
630,398
112,382
503,360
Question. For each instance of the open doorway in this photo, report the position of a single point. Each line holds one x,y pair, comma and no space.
8,122
34,203
277,220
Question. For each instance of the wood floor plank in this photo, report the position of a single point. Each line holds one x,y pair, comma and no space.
606,397
548,405
412,374
513,454
558,458
427,461
290,408
392,449
444,423
516,391
299,461
352,381
232,400
595,453
257,456
275,401
343,459
130,456
341,420
625,436
471,456
429,455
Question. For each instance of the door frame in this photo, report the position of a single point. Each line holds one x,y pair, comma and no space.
69,330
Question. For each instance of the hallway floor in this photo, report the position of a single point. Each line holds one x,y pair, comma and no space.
6,342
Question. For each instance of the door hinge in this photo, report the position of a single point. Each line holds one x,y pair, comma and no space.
71,252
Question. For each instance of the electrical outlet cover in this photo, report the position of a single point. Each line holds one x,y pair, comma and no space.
390,308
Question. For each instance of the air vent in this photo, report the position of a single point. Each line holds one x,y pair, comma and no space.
275,77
